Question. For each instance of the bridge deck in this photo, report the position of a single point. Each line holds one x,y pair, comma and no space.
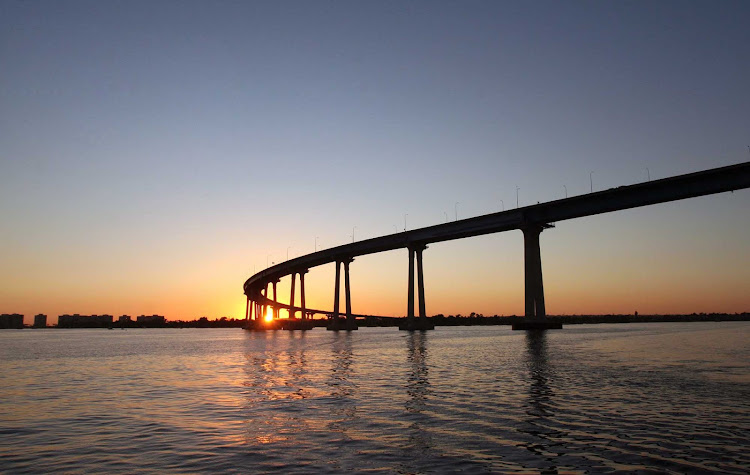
717,180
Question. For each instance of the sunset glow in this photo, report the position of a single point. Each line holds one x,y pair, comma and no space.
269,315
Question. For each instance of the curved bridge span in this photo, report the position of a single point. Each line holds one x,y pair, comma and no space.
531,220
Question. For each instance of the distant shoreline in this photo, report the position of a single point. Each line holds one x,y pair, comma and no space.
472,320
610,318
449,320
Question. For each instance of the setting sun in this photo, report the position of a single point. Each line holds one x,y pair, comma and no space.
269,315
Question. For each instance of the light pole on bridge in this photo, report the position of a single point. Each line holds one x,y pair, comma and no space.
455,207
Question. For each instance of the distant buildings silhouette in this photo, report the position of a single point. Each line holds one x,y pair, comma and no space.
15,320
40,321
84,321
151,321
11,320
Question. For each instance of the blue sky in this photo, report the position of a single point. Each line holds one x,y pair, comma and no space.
152,154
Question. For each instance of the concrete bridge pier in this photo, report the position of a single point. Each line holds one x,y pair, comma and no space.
303,309
336,323
351,323
293,323
249,314
411,322
275,299
337,291
333,324
292,311
261,308
265,294
252,315
535,315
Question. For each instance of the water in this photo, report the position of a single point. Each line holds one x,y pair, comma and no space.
589,398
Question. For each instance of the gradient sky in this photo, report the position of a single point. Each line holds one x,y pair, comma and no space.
153,155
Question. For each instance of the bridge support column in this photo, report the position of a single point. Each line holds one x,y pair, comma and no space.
263,306
420,283
254,322
533,274
275,298
302,293
535,311
412,323
351,323
292,311
336,291
336,324
249,314
410,296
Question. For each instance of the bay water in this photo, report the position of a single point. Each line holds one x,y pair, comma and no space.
657,397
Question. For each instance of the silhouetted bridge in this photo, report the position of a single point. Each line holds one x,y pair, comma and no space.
531,220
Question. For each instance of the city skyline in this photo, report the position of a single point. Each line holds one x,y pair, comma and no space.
155,155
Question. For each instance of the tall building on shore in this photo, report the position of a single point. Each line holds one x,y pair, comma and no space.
40,321
11,320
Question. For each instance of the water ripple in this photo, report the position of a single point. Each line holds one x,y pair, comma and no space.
672,398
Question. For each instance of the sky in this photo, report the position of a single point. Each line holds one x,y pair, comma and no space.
155,154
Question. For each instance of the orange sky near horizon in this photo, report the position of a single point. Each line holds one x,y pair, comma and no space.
631,262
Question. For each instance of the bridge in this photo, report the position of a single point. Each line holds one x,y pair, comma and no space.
531,220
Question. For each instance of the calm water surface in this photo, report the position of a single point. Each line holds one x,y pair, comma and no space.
589,398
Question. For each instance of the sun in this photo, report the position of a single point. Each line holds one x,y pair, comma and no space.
269,315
